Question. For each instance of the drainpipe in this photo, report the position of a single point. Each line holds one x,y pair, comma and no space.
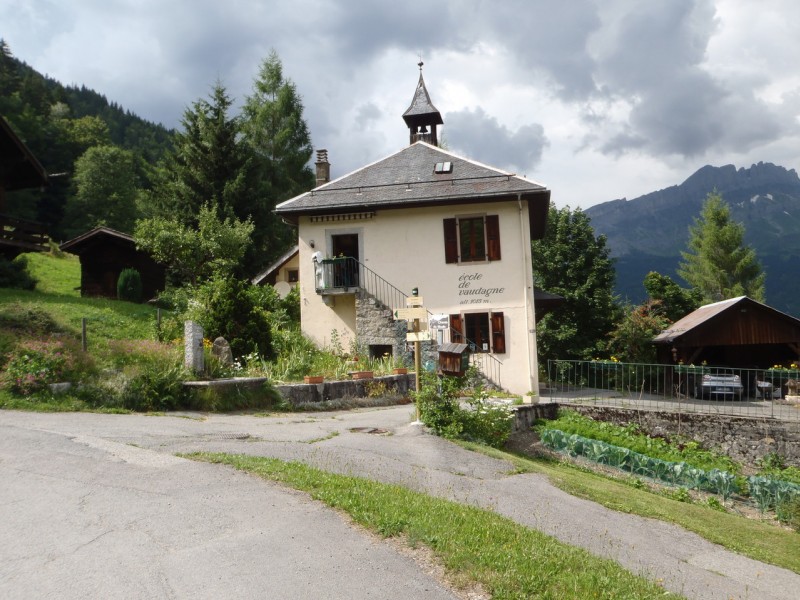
530,314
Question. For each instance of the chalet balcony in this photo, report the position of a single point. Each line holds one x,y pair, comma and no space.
336,276
18,236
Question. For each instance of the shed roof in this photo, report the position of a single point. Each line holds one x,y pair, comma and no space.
270,270
407,179
78,244
19,168
703,316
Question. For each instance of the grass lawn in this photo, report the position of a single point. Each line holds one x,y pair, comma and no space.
756,539
475,545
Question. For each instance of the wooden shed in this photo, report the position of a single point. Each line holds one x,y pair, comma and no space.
739,332
104,253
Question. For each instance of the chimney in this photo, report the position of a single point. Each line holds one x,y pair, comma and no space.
323,168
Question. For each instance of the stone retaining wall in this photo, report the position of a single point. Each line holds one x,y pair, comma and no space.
526,415
744,439
311,393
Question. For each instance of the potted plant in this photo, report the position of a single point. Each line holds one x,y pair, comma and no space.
313,379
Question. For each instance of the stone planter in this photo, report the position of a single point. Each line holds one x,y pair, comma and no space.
361,374
400,371
313,379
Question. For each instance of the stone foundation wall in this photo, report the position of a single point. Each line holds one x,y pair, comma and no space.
312,393
526,415
743,439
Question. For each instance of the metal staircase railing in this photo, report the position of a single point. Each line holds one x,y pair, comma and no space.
338,275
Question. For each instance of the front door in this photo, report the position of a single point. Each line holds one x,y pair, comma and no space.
345,253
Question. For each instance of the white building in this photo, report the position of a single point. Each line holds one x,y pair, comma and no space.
457,230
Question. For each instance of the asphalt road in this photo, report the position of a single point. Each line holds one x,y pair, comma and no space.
99,506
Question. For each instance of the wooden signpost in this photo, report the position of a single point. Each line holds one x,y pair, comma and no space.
417,316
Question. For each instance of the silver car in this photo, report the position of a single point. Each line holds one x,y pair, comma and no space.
720,386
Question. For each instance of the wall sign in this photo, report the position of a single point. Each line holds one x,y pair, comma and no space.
471,290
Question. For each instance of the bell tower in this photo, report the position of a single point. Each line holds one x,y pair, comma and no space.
422,117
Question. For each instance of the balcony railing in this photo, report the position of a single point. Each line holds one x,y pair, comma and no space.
19,235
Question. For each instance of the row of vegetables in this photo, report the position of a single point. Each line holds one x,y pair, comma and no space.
767,493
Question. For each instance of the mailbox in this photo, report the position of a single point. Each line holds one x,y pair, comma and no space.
453,359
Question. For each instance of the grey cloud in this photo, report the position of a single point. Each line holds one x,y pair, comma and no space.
480,136
677,107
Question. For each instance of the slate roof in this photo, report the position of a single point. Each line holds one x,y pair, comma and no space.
406,179
422,107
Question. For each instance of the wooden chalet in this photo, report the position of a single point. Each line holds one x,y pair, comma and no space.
104,253
19,170
739,332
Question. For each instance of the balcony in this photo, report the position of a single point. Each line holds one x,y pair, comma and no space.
18,236
336,276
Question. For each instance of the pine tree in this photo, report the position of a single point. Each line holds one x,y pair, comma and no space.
572,262
717,263
273,126
208,165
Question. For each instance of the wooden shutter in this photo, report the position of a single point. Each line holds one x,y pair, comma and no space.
493,237
450,241
456,329
498,333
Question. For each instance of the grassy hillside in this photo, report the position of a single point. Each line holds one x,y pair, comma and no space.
56,296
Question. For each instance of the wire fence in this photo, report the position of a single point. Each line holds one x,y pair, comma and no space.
755,393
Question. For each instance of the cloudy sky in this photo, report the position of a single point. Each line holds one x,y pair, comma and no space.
597,99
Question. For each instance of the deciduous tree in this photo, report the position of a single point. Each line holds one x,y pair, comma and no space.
574,263
214,248
674,301
106,189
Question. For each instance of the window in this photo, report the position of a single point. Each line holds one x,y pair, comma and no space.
484,332
472,239
443,167
293,275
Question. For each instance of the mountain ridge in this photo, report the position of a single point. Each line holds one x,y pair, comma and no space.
649,232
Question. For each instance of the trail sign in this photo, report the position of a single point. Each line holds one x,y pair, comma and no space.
418,336
409,314
414,301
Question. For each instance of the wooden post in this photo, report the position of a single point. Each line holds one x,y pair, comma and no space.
84,343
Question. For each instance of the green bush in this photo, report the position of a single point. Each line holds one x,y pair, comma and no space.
14,274
154,385
129,285
235,310
485,422
35,364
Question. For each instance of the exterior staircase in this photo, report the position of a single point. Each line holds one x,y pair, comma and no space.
376,300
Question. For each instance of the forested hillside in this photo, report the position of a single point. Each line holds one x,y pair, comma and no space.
60,124
648,233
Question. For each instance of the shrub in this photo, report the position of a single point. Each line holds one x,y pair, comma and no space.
154,385
230,308
129,285
14,274
486,422
35,364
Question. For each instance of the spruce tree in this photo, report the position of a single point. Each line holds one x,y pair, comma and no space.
274,128
208,165
717,262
